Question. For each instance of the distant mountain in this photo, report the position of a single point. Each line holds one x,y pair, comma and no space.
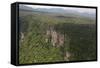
25,8
57,10
89,15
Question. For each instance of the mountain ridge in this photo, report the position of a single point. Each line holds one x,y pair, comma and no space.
57,10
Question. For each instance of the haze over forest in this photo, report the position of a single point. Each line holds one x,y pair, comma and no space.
56,34
86,12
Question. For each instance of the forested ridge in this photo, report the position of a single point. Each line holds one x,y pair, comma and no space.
47,37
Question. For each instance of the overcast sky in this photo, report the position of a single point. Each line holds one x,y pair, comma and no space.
81,10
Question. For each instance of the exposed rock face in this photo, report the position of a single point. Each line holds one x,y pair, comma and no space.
22,36
61,39
67,56
48,35
56,38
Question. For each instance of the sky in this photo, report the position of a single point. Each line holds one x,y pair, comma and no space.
80,10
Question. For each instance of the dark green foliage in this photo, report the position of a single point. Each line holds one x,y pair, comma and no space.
79,33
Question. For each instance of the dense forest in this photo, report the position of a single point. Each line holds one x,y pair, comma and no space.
53,37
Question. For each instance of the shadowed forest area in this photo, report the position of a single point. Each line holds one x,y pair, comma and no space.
48,37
